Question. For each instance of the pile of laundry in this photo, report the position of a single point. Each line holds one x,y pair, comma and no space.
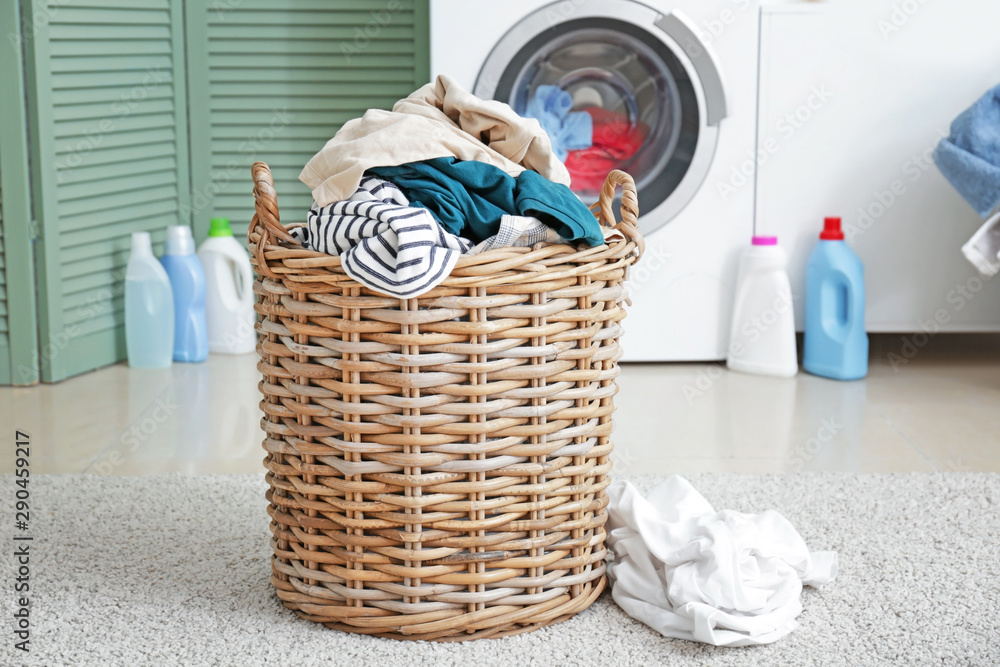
592,141
401,195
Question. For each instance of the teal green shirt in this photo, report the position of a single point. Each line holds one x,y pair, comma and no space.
468,198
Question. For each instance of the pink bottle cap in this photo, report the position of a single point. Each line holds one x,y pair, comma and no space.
765,240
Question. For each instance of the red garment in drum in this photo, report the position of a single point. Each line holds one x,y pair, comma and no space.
614,142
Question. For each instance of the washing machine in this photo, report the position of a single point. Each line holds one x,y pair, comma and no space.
674,83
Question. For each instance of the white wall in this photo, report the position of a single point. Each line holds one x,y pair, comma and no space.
884,78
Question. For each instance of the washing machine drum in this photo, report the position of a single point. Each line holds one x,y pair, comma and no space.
613,94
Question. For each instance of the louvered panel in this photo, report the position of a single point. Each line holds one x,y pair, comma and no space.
159,102
97,324
277,80
337,16
62,33
83,47
283,32
139,192
104,226
345,7
314,76
314,47
317,64
110,95
137,66
120,169
99,316
128,130
71,152
284,91
113,128
123,82
109,12
120,155
87,260
108,280
232,123
323,103
99,194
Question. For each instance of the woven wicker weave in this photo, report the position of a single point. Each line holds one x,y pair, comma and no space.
438,465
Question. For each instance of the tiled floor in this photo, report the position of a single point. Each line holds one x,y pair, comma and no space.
939,410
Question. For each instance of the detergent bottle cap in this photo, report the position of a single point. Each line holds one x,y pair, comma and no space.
179,241
220,227
831,230
141,245
764,240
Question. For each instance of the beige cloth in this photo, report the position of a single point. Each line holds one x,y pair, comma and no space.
440,120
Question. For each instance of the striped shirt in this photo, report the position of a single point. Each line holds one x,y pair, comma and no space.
397,249
383,242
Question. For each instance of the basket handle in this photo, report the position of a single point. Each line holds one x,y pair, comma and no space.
266,219
629,224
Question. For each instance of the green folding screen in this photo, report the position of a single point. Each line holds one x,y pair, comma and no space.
273,81
110,135
147,113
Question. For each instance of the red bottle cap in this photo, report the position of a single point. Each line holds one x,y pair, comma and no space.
831,230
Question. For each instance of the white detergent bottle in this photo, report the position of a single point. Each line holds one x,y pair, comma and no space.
763,333
149,308
229,285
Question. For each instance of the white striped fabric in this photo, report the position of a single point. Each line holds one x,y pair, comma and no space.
398,249
383,242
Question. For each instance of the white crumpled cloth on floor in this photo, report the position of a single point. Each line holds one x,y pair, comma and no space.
723,578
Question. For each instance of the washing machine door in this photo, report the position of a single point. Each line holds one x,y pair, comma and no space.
649,84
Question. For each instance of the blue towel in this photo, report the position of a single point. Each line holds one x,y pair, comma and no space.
568,131
469,198
970,157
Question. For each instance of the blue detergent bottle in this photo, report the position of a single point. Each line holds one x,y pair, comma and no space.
187,279
836,344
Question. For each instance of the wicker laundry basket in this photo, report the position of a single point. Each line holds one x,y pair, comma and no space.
438,465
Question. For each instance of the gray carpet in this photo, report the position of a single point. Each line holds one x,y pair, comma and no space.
173,570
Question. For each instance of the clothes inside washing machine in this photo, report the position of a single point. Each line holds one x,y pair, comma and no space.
623,86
